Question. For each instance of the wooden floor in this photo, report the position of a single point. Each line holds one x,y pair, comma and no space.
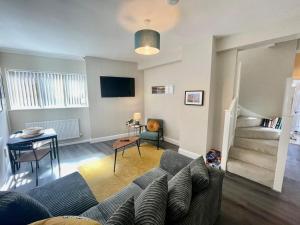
244,202
71,156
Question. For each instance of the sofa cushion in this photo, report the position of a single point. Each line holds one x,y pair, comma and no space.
18,208
173,162
105,209
149,135
124,214
148,177
150,206
69,195
199,173
179,194
205,206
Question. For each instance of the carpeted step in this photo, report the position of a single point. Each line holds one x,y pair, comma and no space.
254,157
257,133
265,146
251,172
247,121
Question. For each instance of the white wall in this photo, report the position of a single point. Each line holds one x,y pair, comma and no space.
166,107
263,77
187,124
224,92
109,115
18,118
4,133
104,117
279,32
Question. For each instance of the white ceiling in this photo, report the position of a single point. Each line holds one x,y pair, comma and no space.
105,28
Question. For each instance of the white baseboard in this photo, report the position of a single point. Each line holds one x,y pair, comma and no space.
108,138
111,137
188,153
171,140
69,143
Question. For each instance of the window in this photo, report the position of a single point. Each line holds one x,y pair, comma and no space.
39,90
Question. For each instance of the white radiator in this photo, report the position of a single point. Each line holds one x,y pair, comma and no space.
65,129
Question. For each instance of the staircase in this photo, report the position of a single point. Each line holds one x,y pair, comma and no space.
253,154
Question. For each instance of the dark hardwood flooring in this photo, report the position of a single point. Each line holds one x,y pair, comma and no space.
244,202
71,156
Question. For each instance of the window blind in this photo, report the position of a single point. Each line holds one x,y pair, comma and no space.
34,90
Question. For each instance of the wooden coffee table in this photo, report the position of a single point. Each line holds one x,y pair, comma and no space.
123,143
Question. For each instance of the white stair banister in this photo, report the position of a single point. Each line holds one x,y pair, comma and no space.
228,133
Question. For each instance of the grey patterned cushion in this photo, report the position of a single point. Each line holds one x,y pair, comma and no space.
180,194
18,208
150,206
69,195
205,206
124,214
173,162
105,209
146,179
199,173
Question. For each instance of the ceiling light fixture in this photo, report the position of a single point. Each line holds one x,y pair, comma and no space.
147,42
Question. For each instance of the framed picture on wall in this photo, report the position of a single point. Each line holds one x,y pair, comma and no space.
194,98
158,89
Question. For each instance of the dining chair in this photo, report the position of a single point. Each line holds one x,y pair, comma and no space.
39,144
29,153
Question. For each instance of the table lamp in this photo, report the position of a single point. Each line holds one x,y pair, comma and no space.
136,117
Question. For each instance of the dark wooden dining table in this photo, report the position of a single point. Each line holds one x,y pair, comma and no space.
47,134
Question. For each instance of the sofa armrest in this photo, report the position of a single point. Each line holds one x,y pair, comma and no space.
216,177
69,195
173,162
205,206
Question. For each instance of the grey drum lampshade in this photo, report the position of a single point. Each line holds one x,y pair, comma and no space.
147,42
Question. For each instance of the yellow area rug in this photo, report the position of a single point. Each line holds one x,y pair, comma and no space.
104,182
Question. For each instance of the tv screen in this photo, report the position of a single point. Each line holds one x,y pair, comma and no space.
117,86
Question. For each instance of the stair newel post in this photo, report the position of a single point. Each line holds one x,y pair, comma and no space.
228,134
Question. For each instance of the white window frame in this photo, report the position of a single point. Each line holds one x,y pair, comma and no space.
64,106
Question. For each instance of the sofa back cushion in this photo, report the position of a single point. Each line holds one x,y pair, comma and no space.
151,205
68,195
200,176
179,194
18,208
124,214
173,162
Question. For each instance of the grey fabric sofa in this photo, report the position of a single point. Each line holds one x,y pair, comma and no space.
63,197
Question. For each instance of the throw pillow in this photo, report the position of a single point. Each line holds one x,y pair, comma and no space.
18,208
150,206
67,220
180,194
153,125
124,214
199,173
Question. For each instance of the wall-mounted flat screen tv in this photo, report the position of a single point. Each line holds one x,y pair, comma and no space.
117,86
